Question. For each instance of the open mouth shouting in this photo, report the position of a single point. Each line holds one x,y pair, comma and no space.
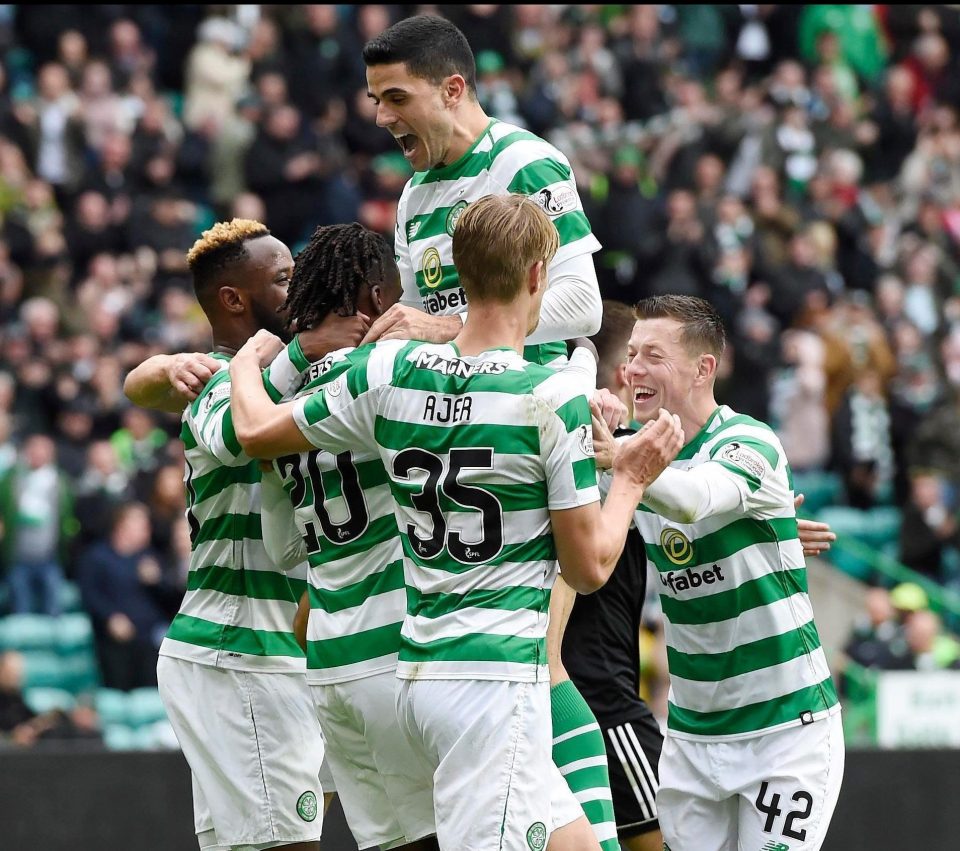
408,144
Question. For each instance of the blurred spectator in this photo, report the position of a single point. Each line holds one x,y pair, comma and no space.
121,585
23,727
798,404
283,167
928,647
100,491
37,523
216,71
862,442
139,442
929,529
877,640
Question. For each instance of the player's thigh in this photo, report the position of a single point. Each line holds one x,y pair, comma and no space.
694,815
253,744
385,787
633,757
790,802
491,744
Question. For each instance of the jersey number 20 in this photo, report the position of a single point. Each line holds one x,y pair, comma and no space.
339,533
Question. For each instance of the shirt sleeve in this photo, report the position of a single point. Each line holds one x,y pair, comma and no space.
281,538
409,294
284,377
341,414
566,447
211,422
571,306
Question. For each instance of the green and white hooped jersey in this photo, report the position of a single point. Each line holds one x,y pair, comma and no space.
478,451
505,159
743,650
238,609
344,511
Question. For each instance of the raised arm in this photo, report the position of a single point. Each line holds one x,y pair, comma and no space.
263,428
169,382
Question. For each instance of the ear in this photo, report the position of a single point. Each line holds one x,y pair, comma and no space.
376,299
536,277
232,300
454,90
706,369
620,375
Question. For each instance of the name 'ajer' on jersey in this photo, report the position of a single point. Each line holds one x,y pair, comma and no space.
479,450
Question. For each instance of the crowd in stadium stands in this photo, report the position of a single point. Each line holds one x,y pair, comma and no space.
798,166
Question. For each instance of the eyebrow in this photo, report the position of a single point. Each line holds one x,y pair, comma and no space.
395,90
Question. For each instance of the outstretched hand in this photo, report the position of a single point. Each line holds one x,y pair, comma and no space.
645,455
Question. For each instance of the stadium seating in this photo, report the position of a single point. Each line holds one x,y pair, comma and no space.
42,700
877,528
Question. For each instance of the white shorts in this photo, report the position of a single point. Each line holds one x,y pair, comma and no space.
385,787
489,742
254,746
775,792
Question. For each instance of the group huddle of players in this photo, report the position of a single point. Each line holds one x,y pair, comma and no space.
395,498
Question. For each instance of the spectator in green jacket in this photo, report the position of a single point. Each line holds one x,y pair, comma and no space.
37,522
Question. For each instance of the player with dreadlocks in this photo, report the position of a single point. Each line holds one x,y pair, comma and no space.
230,673
350,623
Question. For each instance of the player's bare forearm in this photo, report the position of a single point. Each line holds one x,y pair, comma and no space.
263,429
149,387
589,539
170,382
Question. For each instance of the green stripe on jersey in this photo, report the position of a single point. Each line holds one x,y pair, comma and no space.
751,594
512,599
258,584
357,647
351,596
541,548
754,716
229,527
472,162
212,483
728,541
233,639
476,647
504,439
762,653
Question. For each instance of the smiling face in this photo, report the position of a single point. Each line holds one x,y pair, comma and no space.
416,112
661,370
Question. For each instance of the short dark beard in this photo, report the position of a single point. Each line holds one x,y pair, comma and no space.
271,321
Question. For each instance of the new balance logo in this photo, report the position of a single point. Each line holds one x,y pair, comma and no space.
413,228
773,845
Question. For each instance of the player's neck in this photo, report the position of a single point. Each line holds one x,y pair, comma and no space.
228,340
696,416
492,326
470,125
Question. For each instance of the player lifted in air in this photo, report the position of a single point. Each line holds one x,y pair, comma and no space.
421,73
491,468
